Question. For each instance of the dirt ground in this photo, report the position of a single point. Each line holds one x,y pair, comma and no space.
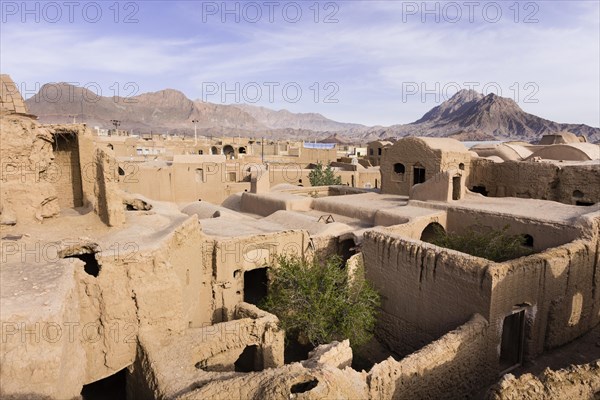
580,351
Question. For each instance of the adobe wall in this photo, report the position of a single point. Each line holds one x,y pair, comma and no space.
168,371
108,202
27,192
171,366
11,101
84,327
538,180
143,284
413,229
183,183
68,185
411,152
558,289
453,366
232,257
545,234
37,358
268,203
426,290
575,382
440,187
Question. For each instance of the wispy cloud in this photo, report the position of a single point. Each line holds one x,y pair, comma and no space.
372,53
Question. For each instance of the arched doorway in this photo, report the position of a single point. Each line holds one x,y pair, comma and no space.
432,231
228,151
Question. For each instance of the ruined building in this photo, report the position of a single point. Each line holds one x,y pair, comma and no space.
100,285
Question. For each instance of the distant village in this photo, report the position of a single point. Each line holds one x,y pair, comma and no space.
139,263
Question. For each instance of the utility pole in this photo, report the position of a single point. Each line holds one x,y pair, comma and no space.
195,122
262,150
116,123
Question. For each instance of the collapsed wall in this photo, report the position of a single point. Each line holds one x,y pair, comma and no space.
576,382
452,366
27,192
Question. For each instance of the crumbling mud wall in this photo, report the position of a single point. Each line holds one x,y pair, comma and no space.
576,382
27,171
454,366
68,184
170,365
569,183
426,290
169,371
108,202
40,350
232,258
91,309
73,149
557,290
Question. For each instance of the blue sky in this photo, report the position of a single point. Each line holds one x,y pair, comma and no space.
370,62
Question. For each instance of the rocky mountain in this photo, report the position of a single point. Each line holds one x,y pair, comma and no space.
468,115
166,110
284,119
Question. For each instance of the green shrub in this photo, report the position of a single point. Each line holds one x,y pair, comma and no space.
480,241
320,176
316,303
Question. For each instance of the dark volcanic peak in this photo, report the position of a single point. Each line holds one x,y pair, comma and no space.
472,116
458,104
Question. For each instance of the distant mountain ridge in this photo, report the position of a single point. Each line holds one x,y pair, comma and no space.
468,115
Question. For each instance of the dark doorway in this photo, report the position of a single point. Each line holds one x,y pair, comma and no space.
418,174
347,250
456,188
511,348
111,387
528,241
432,231
228,151
67,179
255,285
91,267
249,360
480,189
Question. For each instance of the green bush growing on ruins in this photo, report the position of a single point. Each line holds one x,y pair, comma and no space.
481,241
320,176
316,302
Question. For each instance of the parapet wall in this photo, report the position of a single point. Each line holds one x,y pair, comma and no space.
557,288
538,180
426,290
545,234
454,366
